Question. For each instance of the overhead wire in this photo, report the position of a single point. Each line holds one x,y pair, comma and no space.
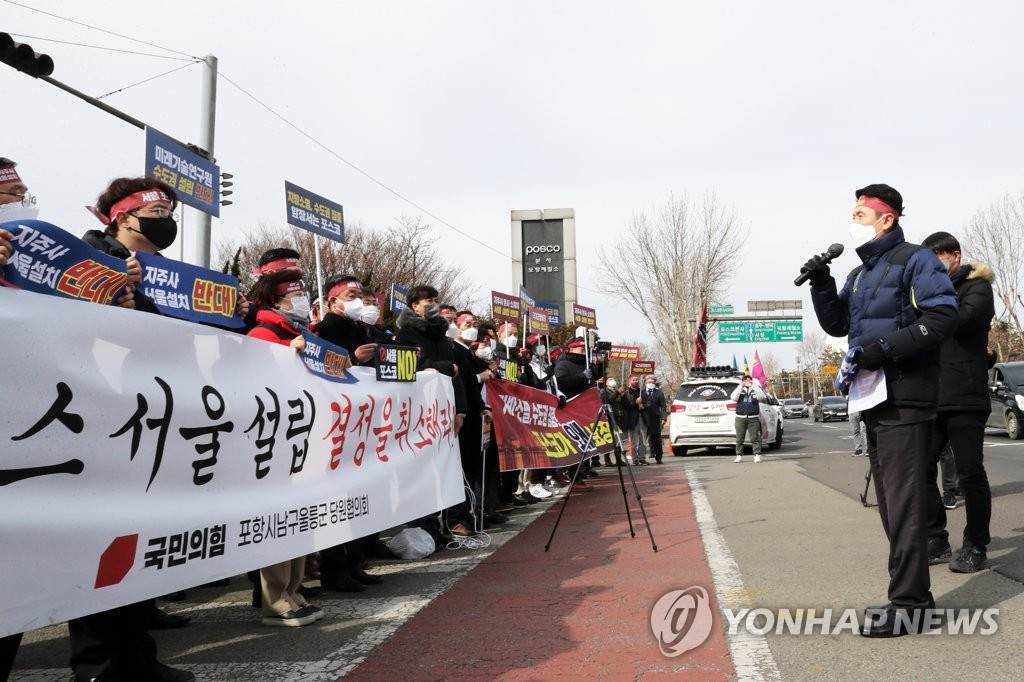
104,47
151,78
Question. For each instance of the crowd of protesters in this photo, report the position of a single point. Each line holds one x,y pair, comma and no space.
137,216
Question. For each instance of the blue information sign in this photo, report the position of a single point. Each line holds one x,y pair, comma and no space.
312,212
195,179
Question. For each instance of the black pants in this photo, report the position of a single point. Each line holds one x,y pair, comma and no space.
654,438
965,434
899,449
8,650
114,643
341,559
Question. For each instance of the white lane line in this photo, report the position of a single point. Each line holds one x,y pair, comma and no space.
750,653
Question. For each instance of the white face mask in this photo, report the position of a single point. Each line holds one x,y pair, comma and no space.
542,350
611,385
300,306
16,211
470,335
370,314
485,353
862,234
354,309
453,331
650,387
511,341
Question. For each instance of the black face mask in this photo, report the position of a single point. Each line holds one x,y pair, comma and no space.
161,232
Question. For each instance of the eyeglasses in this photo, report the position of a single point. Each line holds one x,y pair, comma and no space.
153,212
26,198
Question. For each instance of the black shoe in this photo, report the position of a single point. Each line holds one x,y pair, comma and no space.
608,463
310,591
939,551
495,518
158,672
376,549
949,500
161,620
341,583
895,621
658,461
366,578
590,474
519,502
970,560
530,499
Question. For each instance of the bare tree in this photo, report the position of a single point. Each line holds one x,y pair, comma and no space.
995,235
810,353
667,266
403,254
770,364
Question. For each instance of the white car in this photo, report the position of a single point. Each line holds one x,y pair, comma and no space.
702,414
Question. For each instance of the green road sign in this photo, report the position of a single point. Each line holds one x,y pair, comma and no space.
769,331
720,310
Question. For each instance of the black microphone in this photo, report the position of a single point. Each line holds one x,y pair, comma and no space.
834,251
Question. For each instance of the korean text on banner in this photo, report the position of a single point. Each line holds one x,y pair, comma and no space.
399,299
583,316
312,212
539,322
533,433
642,367
213,454
624,353
525,300
190,292
506,307
554,314
48,260
195,179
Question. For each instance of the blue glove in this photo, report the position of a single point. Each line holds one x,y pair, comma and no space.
848,370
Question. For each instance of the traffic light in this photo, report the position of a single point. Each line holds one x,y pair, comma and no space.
225,182
23,58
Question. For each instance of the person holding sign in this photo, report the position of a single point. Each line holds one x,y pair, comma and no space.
341,324
282,312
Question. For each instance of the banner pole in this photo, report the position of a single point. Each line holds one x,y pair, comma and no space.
319,275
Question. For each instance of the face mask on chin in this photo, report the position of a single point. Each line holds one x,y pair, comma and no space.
862,234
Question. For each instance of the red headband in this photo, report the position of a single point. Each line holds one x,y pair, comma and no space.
285,288
877,204
575,344
275,265
337,289
463,317
130,203
8,174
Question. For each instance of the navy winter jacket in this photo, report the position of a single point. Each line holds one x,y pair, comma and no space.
910,309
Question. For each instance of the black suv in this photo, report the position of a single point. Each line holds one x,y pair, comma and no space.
1006,391
830,407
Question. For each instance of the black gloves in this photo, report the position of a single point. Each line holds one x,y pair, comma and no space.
817,268
872,357
561,402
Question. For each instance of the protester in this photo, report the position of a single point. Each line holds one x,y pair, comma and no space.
16,203
422,326
899,306
282,313
639,435
859,446
964,406
613,398
574,375
748,397
136,213
653,412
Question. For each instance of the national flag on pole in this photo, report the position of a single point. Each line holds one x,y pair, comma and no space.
757,371
735,365
746,365
700,341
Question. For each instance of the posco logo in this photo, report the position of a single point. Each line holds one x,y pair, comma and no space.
546,248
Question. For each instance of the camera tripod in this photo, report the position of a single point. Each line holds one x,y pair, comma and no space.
621,463
867,485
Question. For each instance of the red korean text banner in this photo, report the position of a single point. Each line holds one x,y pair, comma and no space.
532,432
582,316
642,367
506,307
624,353
539,323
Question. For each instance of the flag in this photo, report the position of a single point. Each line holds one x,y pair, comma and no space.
746,365
735,366
757,371
700,341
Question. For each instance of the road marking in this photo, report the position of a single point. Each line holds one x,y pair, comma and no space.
750,653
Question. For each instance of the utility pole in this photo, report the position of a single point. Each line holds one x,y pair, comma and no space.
207,123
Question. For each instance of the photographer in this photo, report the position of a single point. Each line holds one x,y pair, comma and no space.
748,397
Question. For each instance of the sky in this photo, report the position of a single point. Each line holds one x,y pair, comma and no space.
471,109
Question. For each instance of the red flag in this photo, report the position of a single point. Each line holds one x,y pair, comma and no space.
700,341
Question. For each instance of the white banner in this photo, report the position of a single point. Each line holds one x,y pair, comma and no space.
141,455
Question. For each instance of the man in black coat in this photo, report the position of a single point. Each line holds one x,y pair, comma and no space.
653,411
963,409
574,375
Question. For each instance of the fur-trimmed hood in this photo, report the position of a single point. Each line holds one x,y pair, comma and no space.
981,271
431,327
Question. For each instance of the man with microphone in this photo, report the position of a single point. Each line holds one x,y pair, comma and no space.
898,306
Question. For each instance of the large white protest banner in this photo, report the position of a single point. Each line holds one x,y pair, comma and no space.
140,455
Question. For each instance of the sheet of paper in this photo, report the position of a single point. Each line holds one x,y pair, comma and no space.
868,389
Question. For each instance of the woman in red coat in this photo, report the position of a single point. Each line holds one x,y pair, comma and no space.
282,311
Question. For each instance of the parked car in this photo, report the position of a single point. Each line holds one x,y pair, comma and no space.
702,413
1006,391
830,407
794,407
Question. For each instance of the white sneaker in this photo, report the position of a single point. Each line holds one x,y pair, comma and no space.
757,458
739,458
539,491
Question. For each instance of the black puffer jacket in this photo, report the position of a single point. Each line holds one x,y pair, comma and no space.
963,384
344,332
569,374
436,351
